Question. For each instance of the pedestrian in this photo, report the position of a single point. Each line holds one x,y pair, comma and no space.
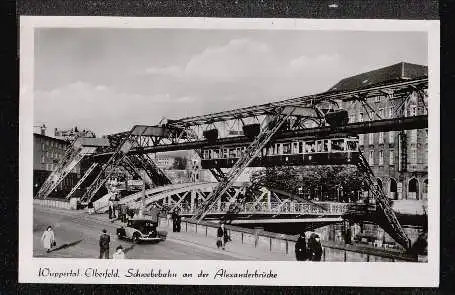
314,247
300,248
115,206
123,213
48,239
223,236
105,239
111,208
219,236
174,220
90,208
178,221
119,254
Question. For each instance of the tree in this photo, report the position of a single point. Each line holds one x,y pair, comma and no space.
180,163
323,182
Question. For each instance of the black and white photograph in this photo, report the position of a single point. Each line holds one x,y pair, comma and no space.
166,150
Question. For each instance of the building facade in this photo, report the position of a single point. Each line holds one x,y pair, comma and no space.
399,159
47,152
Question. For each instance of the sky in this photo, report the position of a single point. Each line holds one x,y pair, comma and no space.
108,80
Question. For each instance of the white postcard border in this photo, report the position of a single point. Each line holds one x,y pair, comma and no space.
289,273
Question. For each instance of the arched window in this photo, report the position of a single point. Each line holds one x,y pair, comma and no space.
393,189
413,189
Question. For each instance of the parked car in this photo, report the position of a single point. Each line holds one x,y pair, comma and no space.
141,229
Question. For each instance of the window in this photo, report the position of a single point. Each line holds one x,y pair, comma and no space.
425,155
413,156
337,145
372,116
47,154
361,117
377,98
360,139
381,157
381,137
42,147
286,148
426,135
351,118
413,110
42,159
413,136
371,138
381,113
370,158
391,158
391,136
390,112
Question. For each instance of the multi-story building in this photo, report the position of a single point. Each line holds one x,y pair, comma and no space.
47,152
164,161
399,159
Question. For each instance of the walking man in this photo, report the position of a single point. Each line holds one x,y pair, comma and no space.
314,247
222,236
300,248
111,208
105,239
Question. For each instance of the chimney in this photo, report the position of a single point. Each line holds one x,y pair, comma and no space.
43,130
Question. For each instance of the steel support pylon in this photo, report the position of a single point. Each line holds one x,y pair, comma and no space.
281,115
396,231
73,155
78,184
117,157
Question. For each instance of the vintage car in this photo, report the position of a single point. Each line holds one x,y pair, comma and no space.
141,229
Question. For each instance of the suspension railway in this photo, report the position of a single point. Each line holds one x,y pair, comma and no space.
309,130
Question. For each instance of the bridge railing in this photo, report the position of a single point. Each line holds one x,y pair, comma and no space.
285,244
277,208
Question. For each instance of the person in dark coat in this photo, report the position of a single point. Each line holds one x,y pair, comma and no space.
123,213
300,248
222,237
105,239
178,221
110,208
91,210
314,247
174,221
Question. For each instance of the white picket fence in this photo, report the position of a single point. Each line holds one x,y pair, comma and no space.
53,203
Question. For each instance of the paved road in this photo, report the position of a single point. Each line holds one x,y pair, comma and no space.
77,236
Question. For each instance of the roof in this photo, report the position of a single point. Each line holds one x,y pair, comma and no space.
50,138
144,217
92,141
398,72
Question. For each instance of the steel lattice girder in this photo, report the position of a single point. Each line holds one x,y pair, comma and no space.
414,122
180,132
305,101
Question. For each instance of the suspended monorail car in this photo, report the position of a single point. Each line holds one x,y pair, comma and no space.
333,150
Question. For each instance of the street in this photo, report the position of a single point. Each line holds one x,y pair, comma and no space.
77,235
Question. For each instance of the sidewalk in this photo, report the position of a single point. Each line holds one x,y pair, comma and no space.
234,248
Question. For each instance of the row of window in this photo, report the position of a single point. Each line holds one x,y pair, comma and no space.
412,159
412,111
381,158
287,148
51,155
412,137
51,144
